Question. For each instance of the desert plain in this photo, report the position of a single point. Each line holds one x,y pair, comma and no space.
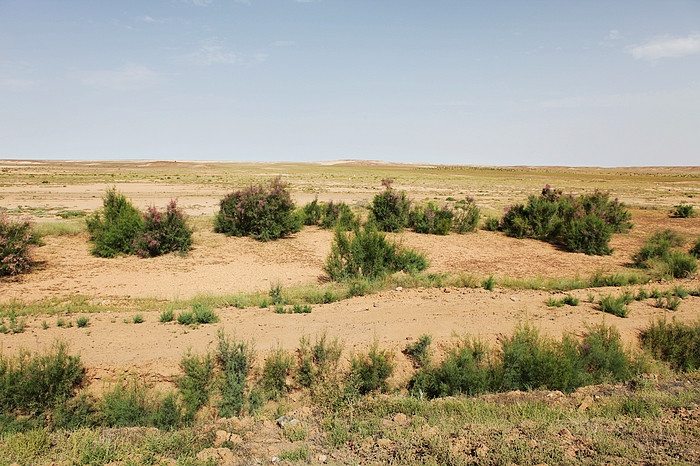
68,282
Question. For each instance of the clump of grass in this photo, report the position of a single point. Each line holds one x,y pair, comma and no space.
489,283
204,314
615,305
14,325
641,295
675,342
276,294
295,309
82,321
186,318
137,318
167,316
668,301
568,300
695,250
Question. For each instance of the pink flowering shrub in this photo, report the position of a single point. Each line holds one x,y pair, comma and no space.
262,212
163,232
16,242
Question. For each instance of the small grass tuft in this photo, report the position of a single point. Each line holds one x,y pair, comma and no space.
614,305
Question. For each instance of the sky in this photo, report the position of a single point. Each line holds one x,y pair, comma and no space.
500,82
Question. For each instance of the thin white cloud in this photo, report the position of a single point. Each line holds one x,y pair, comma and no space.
16,85
614,34
131,76
212,52
666,47
200,2
151,20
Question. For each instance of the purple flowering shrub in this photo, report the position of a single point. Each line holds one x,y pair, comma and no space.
163,232
390,209
16,242
262,212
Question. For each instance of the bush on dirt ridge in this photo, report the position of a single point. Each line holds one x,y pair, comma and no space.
675,342
431,219
261,212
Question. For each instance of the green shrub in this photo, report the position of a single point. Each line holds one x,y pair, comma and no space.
115,229
262,212
35,383
195,385
465,370
127,404
186,318
431,219
338,215
568,300
277,367
167,316
275,294
419,352
492,224
316,361
527,361
137,318
367,253
163,232
312,213
677,343
683,211
657,247
16,242
390,209
82,321
370,372
681,264
614,305
489,283
204,314
235,359
695,250
466,216
580,224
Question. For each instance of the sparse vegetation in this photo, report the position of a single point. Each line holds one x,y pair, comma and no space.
568,300
660,253
259,211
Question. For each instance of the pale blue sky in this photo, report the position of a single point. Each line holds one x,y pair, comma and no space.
603,83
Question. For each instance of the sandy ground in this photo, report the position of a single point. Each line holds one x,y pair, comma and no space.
223,265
